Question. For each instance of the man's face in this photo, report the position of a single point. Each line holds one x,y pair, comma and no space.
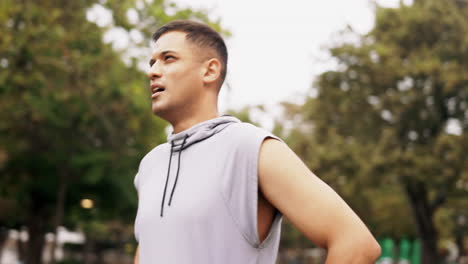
175,70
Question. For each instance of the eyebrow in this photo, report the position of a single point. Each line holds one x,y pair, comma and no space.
152,60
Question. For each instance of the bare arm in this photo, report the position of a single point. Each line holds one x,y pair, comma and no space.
135,260
313,207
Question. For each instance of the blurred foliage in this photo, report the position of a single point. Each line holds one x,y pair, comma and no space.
388,127
245,114
75,118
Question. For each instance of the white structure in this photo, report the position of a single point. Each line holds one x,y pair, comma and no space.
10,250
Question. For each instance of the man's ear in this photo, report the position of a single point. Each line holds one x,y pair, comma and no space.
212,70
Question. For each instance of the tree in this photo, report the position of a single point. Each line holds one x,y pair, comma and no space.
75,119
394,114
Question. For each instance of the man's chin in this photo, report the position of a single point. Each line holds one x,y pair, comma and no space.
159,111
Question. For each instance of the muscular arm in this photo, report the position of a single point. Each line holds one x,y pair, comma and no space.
135,260
313,207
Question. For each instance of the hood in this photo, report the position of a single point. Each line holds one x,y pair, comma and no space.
186,138
200,132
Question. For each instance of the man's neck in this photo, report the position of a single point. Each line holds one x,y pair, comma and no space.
188,123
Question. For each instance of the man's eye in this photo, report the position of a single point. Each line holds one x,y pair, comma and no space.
168,57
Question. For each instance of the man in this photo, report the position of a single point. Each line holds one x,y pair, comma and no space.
217,190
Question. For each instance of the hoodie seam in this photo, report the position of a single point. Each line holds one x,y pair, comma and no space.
234,219
253,175
236,222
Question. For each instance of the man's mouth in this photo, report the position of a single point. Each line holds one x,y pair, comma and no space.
156,91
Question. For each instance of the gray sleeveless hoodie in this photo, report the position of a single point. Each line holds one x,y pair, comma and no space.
197,197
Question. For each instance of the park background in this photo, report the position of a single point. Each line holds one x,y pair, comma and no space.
379,111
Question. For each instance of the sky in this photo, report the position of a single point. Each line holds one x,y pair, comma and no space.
277,48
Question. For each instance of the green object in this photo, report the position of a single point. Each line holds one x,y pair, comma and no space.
416,252
405,250
387,256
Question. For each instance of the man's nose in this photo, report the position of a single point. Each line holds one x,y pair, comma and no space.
154,71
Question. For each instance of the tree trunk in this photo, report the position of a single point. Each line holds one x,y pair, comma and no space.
88,250
59,210
3,238
36,241
423,214
20,249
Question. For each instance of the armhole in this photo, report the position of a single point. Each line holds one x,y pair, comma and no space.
275,226
239,189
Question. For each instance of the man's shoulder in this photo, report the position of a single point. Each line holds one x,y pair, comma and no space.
246,134
245,129
155,152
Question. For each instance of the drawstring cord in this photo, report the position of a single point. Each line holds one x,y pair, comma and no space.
178,167
167,179
168,172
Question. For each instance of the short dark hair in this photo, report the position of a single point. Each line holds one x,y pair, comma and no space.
200,35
